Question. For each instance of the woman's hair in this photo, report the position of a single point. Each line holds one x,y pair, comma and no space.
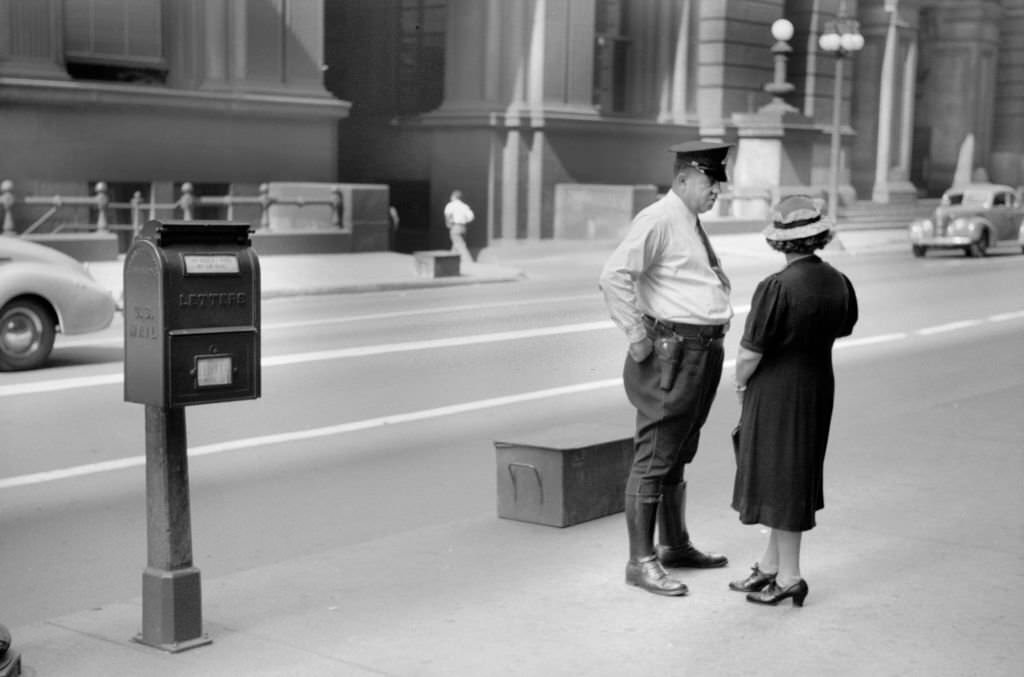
805,245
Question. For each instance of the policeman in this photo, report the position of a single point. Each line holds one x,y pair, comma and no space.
665,288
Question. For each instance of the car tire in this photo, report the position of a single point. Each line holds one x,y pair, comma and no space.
918,250
980,248
27,331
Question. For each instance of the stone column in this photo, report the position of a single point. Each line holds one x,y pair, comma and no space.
673,58
32,39
907,109
215,41
473,45
880,190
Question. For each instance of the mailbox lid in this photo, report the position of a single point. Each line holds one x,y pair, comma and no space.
171,233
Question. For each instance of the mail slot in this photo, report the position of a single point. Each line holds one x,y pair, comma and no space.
191,314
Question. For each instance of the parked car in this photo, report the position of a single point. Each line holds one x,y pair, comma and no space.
43,291
972,217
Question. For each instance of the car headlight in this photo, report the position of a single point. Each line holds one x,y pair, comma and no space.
922,228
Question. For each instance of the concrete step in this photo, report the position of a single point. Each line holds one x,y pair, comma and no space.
867,214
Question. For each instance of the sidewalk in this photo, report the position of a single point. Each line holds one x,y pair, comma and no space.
291,275
487,597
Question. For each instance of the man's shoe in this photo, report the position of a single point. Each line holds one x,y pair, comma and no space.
648,574
689,557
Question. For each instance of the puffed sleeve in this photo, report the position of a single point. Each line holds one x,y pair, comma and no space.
767,310
852,311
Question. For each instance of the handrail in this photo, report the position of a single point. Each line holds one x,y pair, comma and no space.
185,204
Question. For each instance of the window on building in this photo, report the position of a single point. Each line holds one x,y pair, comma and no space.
420,59
611,55
114,40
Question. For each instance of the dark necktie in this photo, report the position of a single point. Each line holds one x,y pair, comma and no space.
715,264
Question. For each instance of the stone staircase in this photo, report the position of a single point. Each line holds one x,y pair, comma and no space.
865,214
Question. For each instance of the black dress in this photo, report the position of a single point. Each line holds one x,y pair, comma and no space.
795,317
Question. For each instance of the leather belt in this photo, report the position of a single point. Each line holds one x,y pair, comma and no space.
683,330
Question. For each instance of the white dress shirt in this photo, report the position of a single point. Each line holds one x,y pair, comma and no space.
457,213
662,269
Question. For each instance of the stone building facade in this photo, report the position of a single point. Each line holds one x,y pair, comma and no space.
504,99
147,94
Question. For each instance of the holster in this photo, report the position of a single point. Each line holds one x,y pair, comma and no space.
669,351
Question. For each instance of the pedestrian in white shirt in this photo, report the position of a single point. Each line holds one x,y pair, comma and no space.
664,287
457,216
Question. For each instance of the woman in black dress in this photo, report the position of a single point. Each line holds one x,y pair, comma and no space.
786,386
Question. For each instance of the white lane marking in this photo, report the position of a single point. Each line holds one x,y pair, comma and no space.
60,384
1003,317
363,351
354,426
428,311
77,341
280,438
870,340
952,326
340,353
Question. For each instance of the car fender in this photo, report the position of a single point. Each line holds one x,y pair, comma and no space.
971,226
80,304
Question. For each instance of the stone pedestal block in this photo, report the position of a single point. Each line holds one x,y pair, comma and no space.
585,211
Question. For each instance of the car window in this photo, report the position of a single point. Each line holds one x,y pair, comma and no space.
999,200
953,198
975,198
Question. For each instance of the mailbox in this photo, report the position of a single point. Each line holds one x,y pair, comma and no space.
191,314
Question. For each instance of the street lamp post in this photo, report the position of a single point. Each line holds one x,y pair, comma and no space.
782,31
841,38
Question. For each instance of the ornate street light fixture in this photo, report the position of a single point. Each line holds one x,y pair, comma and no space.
841,38
782,31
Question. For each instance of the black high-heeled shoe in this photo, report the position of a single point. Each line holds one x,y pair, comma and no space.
754,582
773,594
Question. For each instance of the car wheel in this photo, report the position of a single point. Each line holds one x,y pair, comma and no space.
979,248
26,335
918,250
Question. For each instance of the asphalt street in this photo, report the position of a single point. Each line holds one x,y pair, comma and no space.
345,522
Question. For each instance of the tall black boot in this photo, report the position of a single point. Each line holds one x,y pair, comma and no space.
675,549
643,569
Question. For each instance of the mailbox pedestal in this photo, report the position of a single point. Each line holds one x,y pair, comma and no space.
192,325
172,616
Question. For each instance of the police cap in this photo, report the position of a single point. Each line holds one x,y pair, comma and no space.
705,156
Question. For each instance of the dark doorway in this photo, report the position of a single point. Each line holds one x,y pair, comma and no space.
411,201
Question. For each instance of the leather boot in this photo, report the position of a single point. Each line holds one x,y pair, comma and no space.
675,549
643,569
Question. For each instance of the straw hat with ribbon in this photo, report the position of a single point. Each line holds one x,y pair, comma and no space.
796,218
